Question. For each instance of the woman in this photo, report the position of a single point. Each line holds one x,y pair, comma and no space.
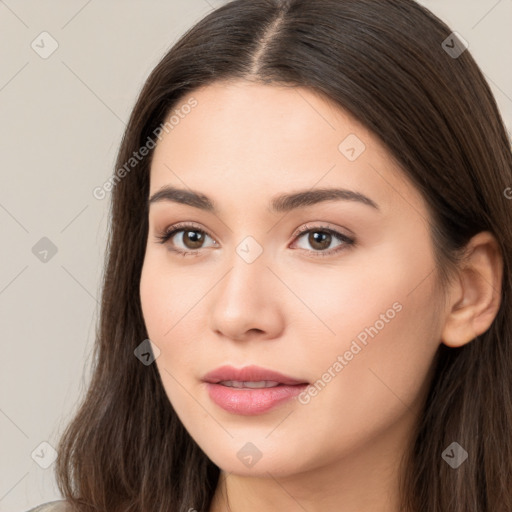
306,302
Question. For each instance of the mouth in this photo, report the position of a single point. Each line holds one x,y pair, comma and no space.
250,376
251,390
250,384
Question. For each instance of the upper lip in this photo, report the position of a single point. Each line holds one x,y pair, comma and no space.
249,374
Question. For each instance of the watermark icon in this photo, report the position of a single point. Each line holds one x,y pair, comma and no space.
355,348
455,45
454,455
44,455
249,454
137,156
44,250
249,249
351,147
44,45
508,192
147,352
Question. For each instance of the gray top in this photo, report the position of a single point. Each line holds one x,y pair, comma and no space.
52,506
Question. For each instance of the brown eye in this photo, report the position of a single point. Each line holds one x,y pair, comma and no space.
319,240
192,239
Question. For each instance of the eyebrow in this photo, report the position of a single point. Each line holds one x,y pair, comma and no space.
280,203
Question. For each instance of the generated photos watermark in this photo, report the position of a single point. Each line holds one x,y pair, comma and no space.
355,348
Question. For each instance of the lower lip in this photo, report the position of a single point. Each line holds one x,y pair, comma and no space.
248,401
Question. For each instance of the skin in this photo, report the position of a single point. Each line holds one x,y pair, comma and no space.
295,312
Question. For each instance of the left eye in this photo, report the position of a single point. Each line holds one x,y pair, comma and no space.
321,238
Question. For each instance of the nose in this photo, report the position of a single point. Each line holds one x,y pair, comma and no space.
245,302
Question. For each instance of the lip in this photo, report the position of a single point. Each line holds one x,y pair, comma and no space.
249,373
251,401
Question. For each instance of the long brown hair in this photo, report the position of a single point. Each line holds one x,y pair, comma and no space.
385,62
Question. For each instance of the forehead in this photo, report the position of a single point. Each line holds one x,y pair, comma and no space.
244,139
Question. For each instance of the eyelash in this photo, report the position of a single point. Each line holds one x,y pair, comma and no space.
166,235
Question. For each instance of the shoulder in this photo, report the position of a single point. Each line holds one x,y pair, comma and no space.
53,506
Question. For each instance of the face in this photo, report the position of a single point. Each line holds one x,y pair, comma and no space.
336,292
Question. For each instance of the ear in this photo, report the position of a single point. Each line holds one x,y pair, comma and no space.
475,295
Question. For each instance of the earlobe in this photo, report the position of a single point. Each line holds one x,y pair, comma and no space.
476,291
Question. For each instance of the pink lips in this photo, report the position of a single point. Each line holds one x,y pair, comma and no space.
250,401
248,373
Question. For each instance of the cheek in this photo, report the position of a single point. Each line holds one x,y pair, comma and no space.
171,307
377,381
161,309
387,331
166,295
368,291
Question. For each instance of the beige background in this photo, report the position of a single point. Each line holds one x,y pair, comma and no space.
61,121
